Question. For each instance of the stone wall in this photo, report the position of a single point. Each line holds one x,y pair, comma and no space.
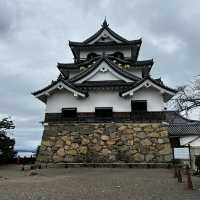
104,142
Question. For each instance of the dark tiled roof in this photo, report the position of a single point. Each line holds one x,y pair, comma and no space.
155,81
85,45
187,129
105,26
75,66
54,83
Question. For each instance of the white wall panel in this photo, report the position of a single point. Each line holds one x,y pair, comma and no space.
62,99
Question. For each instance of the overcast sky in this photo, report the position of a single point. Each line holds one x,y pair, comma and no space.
34,35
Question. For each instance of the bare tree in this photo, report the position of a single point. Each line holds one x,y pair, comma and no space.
188,97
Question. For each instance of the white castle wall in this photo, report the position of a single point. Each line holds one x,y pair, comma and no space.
63,98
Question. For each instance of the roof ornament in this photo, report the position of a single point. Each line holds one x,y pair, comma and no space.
105,24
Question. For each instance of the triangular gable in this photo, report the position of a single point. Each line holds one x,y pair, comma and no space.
103,73
57,85
104,37
148,82
105,34
101,66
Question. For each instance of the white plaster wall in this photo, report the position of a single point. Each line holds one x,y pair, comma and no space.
187,139
103,76
153,96
126,52
62,99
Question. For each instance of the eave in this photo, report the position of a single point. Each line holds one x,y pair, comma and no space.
149,82
58,85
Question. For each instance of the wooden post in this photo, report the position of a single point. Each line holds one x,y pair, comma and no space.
190,155
189,179
175,172
180,180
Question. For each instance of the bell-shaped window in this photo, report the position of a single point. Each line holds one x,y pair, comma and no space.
118,55
91,56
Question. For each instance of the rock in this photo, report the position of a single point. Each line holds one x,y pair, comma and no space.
67,142
47,143
165,150
130,142
129,131
106,152
64,138
155,125
146,142
99,131
104,137
122,128
137,129
168,158
69,158
113,135
141,135
57,158
71,152
124,148
149,157
148,129
66,147
74,146
61,152
138,157
160,141
85,141
111,142
97,148
164,133
83,150
154,134
124,138
94,141
59,143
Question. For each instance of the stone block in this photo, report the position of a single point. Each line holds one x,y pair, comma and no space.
146,142
138,157
105,137
61,152
141,135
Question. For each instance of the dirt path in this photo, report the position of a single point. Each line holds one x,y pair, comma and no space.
94,184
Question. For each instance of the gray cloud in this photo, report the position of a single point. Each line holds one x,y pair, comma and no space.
34,37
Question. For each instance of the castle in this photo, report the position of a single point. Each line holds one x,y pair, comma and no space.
105,106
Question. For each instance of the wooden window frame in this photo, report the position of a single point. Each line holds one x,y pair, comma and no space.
101,109
69,109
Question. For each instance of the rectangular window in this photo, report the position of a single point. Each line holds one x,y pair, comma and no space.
139,105
104,112
69,113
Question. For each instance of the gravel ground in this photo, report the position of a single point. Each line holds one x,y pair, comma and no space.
94,184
